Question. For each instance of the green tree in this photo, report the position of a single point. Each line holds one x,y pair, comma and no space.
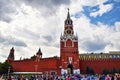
92,71
113,71
119,71
33,57
88,70
105,71
0,68
4,67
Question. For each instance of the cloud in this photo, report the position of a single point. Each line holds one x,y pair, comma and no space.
38,23
48,38
47,8
117,26
93,2
3,56
102,9
8,8
28,33
113,39
9,40
50,4
96,38
93,45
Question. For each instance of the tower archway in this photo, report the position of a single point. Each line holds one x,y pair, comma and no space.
70,68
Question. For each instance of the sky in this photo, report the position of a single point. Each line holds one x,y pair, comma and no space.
28,25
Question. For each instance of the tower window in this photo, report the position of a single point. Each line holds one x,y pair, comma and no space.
69,43
68,22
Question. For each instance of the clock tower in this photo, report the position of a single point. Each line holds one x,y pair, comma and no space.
69,54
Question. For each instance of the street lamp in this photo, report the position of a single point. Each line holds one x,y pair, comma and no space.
8,71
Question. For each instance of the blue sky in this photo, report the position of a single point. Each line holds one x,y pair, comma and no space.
108,18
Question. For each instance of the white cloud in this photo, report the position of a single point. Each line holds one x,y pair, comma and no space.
113,39
117,26
96,38
41,26
102,9
92,2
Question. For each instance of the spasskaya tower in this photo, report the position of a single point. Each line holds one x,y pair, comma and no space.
69,54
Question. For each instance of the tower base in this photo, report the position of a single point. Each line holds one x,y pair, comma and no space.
75,71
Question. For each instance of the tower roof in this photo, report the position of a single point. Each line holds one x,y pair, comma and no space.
68,14
11,54
68,21
39,52
12,49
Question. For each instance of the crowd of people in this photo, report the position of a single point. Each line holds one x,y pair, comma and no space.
61,77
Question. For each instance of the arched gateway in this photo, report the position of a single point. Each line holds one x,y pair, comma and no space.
70,69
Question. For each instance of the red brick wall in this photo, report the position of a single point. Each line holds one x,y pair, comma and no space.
52,64
99,65
44,65
68,43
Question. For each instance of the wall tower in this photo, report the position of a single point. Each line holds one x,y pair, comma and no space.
69,54
38,55
11,55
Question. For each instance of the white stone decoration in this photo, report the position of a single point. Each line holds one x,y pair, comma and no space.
76,71
70,60
63,71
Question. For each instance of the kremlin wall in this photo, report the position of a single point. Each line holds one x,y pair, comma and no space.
70,60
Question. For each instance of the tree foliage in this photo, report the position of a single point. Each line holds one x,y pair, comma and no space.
4,67
105,71
89,70
33,57
112,71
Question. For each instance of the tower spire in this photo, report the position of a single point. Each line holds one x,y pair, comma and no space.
68,14
38,55
39,52
11,54
68,21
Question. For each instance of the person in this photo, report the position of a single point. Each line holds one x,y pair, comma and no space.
9,78
92,77
63,77
112,77
1,77
103,77
108,77
76,78
68,78
83,78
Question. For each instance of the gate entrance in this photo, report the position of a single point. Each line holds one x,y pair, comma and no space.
70,69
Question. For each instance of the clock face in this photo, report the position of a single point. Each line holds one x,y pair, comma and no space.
69,31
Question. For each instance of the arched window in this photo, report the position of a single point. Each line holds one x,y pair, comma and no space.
69,43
